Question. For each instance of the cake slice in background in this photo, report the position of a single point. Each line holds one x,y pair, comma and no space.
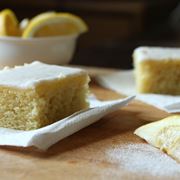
37,94
157,70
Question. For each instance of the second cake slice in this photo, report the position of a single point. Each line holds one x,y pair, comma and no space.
157,70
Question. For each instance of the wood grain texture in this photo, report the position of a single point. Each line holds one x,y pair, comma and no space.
84,155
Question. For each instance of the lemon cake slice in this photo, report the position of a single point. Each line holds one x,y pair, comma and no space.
157,70
37,94
164,134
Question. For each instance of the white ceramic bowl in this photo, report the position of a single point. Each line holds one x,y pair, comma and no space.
52,50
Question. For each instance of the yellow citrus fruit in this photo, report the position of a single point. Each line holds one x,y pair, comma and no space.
8,23
25,22
54,24
164,134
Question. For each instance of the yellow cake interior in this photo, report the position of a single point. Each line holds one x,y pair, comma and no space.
47,102
158,76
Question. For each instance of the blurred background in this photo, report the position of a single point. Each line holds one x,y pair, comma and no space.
116,27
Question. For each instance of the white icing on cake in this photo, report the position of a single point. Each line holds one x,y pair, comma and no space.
30,75
156,53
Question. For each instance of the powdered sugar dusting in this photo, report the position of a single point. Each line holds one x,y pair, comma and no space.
144,159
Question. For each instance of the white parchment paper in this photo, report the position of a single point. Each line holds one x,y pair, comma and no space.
44,137
123,82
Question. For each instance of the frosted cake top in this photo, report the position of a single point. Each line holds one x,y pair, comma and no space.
156,53
29,75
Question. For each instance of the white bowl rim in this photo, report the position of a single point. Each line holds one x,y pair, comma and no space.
14,38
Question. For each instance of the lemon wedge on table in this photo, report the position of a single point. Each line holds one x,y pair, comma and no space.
54,24
163,134
8,23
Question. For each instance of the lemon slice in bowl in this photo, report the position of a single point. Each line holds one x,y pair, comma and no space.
163,134
54,24
25,22
8,23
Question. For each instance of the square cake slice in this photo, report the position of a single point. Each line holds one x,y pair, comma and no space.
37,94
157,70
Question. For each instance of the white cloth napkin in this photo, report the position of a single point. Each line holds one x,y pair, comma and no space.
44,137
123,82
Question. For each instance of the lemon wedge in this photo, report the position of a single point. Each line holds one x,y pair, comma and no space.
25,22
163,134
8,23
54,24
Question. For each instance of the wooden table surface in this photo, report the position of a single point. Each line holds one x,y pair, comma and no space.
96,152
